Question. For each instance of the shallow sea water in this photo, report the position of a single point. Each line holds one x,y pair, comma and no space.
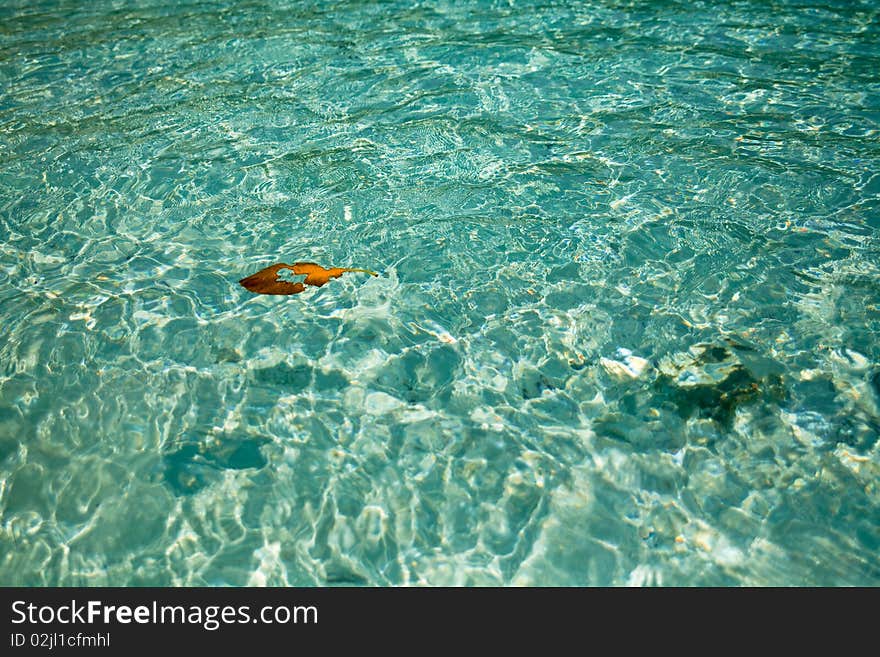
625,332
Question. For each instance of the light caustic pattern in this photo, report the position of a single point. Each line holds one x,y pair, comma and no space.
625,329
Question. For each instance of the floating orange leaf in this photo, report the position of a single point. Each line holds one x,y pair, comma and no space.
266,280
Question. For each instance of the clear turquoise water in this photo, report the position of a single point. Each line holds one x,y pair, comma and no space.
626,328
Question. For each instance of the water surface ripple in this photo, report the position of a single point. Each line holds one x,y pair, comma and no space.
626,328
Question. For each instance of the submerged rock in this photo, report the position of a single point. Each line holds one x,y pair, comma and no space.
711,380
191,466
627,367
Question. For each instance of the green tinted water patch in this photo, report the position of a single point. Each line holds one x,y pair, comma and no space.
625,328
